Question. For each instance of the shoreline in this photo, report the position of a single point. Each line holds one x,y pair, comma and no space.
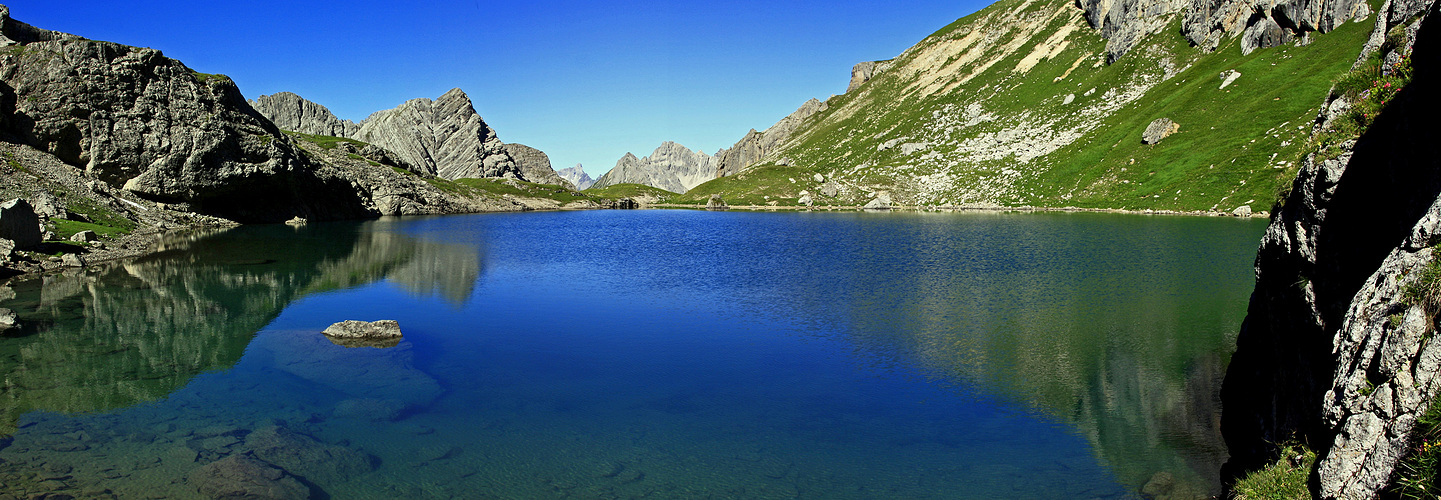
966,208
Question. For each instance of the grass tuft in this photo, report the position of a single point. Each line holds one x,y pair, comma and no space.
1285,479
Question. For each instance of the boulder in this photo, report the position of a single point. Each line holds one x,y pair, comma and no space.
806,200
48,206
1229,76
72,260
369,330
829,189
7,249
18,223
245,477
881,202
85,236
818,178
1242,211
1159,129
298,221
716,203
8,319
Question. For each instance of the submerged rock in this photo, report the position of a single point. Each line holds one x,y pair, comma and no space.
303,455
241,476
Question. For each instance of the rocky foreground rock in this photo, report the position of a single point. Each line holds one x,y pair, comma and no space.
1334,351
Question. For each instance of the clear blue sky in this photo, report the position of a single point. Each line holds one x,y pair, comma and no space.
583,81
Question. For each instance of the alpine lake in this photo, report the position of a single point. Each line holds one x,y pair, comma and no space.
629,354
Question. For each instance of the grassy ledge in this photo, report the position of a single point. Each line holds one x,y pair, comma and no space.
1283,480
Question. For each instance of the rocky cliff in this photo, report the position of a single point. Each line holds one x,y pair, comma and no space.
535,166
1334,352
133,140
444,137
671,167
577,176
292,112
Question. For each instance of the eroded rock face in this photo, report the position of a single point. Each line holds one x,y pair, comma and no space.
752,148
444,137
864,71
1123,23
1331,353
671,167
1265,23
293,113
535,166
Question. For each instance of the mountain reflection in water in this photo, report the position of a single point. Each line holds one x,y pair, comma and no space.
125,333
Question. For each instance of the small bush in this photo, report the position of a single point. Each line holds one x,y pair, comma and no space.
1425,289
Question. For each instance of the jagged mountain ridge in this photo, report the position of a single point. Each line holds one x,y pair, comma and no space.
576,175
141,134
671,167
443,137
1043,103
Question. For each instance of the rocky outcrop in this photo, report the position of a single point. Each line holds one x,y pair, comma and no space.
671,167
443,137
1123,23
1159,129
244,476
292,112
19,224
716,203
535,166
754,147
1333,353
1266,23
131,118
864,71
576,176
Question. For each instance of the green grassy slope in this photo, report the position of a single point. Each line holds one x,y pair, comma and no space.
1012,106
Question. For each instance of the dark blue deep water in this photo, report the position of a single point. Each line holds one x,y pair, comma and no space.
627,354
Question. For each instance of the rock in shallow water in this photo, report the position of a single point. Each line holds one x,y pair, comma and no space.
240,476
373,330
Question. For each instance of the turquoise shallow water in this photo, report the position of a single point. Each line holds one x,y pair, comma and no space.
662,354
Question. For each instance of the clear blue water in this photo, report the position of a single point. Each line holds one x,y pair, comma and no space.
626,354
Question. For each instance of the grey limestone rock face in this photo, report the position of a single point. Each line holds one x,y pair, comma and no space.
863,72
18,223
756,145
1159,129
535,165
1332,352
576,176
294,113
1265,23
443,137
671,167
1123,23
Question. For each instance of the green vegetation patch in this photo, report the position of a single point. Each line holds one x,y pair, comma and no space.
325,141
513,187
101,216
1283,480
1416,476
207,77
631,190
1425,289
1369,88
64,229
757,186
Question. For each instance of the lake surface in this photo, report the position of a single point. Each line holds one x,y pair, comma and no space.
622,354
